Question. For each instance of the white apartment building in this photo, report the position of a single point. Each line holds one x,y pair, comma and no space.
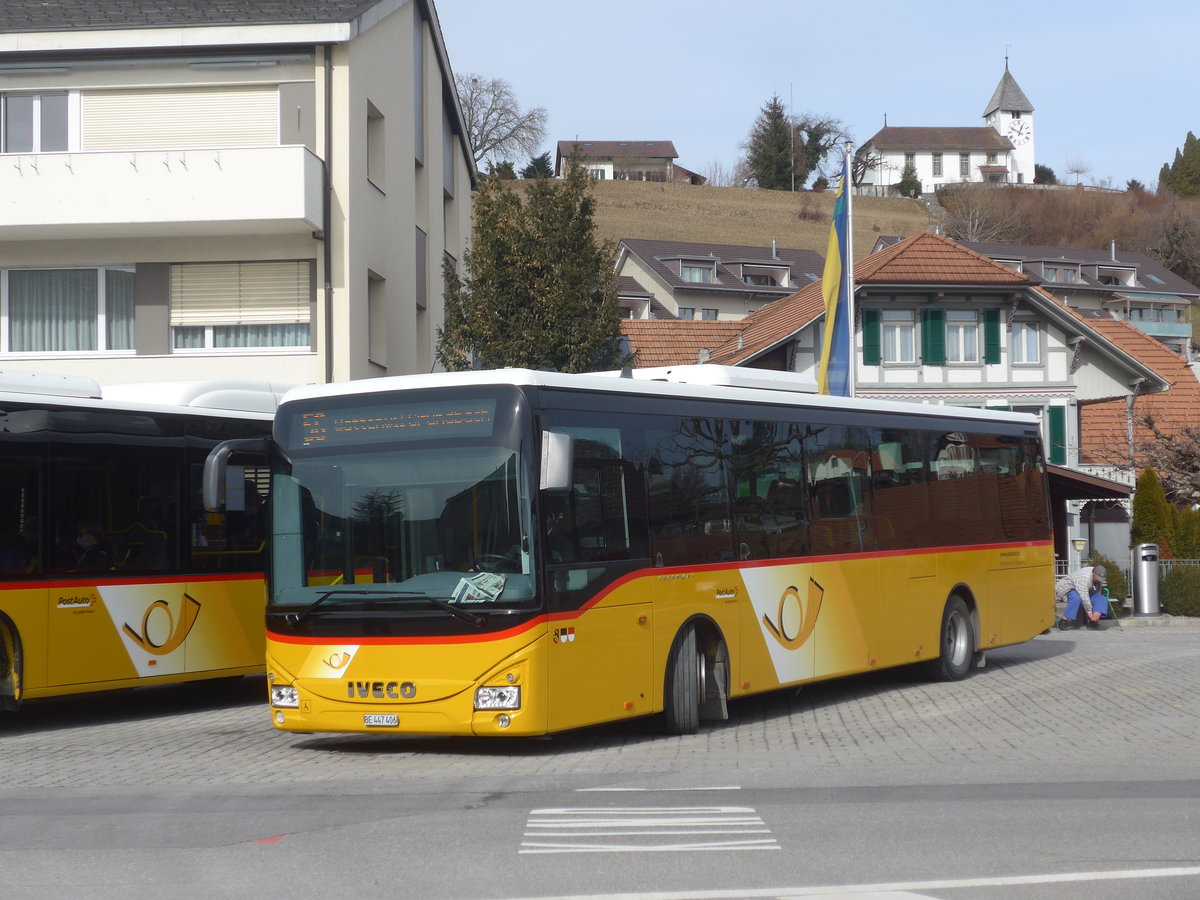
254,190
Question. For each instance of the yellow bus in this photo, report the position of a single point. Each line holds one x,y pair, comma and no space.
515,553
111,573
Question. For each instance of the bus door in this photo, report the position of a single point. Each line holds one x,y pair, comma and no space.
23,593
601,623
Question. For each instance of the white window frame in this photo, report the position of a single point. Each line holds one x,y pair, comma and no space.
962,336
284,308
1025,343
71,123
898,336
101,323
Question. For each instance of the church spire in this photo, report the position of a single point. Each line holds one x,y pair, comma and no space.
1008,95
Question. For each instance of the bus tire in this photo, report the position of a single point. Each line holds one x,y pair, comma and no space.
956,643
9,678
681,695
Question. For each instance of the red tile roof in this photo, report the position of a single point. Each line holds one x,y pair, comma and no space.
672,342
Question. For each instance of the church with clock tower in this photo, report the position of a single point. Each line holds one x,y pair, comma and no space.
1011,114
1001,151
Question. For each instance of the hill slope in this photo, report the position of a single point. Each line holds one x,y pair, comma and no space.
800,221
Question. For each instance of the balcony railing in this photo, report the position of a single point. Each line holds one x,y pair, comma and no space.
208,191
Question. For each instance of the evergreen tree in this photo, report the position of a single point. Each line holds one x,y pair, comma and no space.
909,185
1043,174
1182,177
770,151
1152,514
539,167
540,290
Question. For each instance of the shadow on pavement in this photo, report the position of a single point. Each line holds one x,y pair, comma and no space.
774,705
133,704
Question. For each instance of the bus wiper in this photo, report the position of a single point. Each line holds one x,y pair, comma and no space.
470,618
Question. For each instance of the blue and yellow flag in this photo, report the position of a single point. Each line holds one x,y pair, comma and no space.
834,376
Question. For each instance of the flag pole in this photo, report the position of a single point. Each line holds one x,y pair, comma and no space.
848,273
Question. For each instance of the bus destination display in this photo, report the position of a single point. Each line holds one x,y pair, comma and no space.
393,423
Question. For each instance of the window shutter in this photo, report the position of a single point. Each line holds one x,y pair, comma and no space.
991,336
1057,451
933,337
183,118
246,293
871,338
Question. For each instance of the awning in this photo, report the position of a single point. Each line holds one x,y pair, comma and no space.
1070,484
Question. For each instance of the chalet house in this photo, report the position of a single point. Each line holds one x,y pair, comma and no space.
626,161
239,190
711,281
1132,286
939,323
1000,151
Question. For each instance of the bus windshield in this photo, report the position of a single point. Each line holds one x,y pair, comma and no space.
401,508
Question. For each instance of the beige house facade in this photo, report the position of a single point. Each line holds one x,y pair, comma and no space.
203,190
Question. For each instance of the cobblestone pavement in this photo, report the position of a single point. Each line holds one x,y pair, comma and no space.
1127,695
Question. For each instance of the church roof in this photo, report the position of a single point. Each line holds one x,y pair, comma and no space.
1008,96
983,137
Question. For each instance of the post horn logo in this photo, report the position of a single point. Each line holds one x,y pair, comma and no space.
177,631
337,660
796,618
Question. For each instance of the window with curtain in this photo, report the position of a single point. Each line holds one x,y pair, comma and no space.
244,304
962,336
69,310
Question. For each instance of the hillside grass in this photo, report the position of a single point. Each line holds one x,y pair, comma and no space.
718,215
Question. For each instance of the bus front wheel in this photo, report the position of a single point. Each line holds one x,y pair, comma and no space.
956,643
685,670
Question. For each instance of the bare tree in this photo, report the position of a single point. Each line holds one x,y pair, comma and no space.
717,175
495,124
980,213
1175,456
1078,166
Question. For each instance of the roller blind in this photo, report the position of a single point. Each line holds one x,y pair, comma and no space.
244,293
237,116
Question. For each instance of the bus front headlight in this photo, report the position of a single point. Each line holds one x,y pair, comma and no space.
506,697
285,696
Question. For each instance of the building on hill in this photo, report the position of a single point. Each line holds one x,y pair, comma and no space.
1000,152
940,323
199,189
626,160
712,281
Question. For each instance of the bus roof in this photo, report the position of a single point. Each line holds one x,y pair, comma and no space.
239,399
704,382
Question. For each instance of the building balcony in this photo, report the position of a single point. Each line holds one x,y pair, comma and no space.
166,193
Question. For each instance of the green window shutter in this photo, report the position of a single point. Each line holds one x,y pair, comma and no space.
1057,451
871,337
933,337
991,336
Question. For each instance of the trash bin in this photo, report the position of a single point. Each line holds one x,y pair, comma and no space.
1145,580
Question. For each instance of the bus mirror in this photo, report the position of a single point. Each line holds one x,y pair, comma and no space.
557,451
217,463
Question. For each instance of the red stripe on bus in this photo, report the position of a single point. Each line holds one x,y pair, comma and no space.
635,576
35,584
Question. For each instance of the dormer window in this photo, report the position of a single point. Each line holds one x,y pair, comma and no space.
1116,277
765,276
696,273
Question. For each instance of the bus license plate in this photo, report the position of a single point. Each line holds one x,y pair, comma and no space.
386,720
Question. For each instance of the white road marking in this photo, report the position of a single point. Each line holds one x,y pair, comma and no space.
712,828
642,790
890,890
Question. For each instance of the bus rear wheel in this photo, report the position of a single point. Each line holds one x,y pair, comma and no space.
956,643
685,674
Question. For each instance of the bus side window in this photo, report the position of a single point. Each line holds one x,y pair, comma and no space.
690,518
770,504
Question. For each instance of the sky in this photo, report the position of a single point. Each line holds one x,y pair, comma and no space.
1113,85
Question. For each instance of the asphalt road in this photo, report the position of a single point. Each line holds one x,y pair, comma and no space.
1068,767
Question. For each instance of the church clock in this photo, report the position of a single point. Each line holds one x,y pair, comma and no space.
1018,131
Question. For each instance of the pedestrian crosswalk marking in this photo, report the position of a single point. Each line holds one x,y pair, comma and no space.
593,829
